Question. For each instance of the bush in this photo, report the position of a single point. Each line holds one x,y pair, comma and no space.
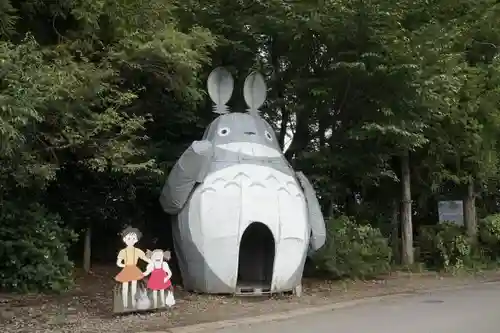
489,236
445,246
352,250
33,250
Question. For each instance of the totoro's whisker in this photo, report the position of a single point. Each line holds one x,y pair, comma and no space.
221,109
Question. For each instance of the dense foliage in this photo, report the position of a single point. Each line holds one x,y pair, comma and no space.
445,246
34,250
353,250
388,106
489,236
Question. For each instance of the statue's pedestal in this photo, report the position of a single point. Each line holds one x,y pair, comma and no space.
144,300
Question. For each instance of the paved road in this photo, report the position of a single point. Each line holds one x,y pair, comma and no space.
472,310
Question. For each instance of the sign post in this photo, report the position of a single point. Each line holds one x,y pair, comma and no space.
451,211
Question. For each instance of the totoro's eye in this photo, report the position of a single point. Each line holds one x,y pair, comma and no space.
269,136
224,131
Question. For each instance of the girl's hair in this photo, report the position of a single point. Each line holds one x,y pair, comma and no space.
166,254
130,230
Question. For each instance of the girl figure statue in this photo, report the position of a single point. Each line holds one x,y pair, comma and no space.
160,274
127,260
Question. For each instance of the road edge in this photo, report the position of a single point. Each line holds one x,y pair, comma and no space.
280,316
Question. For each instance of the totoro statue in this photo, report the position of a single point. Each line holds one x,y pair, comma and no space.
232,192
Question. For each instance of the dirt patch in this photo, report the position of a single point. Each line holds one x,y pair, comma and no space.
87,309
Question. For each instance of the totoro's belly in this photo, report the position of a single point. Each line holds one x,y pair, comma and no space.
232,198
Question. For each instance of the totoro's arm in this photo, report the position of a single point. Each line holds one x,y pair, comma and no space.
314,214
190,169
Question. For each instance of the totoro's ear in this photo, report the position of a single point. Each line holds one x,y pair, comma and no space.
220,85
255,91
149,253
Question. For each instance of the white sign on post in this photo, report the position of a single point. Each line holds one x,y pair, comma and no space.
451,211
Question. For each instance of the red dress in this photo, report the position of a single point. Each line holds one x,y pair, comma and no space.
157,279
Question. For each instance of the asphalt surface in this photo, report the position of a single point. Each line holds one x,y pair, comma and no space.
475,309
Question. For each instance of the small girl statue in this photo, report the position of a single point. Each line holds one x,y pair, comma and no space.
160,275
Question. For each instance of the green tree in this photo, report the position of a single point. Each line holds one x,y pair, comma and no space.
73,75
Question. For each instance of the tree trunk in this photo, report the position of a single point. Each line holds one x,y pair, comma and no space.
351,205
285,119
301,136
470,219
395,235
87,250
406,222
279,88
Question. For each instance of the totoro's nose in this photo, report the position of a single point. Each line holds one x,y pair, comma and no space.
250,133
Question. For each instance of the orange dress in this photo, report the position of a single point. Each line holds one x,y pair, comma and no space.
130,272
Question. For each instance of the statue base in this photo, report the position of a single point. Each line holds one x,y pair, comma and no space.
145,300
